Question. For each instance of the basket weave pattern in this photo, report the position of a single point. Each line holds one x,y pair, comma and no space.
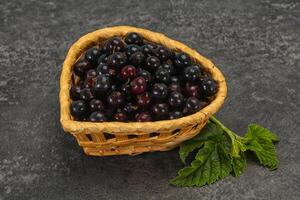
116,138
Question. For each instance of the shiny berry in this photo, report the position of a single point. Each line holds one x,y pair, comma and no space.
175,115
120,117
191,90
159,91
78,108
148,50
193,105
152,63
75,92
103,68
143,100
96,105
102,59
128,72
86,94
169,68
143,117
134,38
160,110
81,67
162,76
92,55
137,58
114,45
146,75
138,85
181,60
162,53
117,59
98,117
174,87
176,100
208,86
131,49
192,73
102,85
115,99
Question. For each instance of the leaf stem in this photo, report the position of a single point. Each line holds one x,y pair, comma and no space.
227,130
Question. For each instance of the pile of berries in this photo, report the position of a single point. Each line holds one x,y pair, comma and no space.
132,79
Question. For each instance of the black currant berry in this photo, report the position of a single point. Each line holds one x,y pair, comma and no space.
137,58
162,53
115,99
78,108
159,91
192,73
134,38
152,63
98,117
81,67
162,76
102,85
92,55
117,59
176,100
193,105
114,45
120,117
143,117
181,60
160,110
96,105
208,86
138,85
128,72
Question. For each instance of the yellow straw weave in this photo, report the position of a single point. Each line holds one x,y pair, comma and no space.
132,138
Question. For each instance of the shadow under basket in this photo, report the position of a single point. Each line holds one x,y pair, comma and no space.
132,138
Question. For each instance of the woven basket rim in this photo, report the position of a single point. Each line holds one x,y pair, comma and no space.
119,128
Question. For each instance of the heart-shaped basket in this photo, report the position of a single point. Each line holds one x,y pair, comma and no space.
132,138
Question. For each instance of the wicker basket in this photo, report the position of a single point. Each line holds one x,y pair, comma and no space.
116,138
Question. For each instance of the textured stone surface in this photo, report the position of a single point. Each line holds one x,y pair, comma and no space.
255,43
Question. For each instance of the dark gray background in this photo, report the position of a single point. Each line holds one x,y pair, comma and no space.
255,43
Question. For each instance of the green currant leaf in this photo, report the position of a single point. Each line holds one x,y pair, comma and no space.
260,141
239,164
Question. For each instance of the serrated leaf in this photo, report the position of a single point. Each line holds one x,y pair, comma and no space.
209,132
211,163
239,164
260,141
187,147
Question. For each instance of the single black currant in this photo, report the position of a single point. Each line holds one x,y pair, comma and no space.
92,55
115,99
134,38
159,91
96,105
117,59
86,94
181,60
162,76
98,117
176,100
208,86
81,67
137,58
75,92
162,53
152,63
192,73
78,108
138,85
113,45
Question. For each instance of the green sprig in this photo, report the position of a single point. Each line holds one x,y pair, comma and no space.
221,152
